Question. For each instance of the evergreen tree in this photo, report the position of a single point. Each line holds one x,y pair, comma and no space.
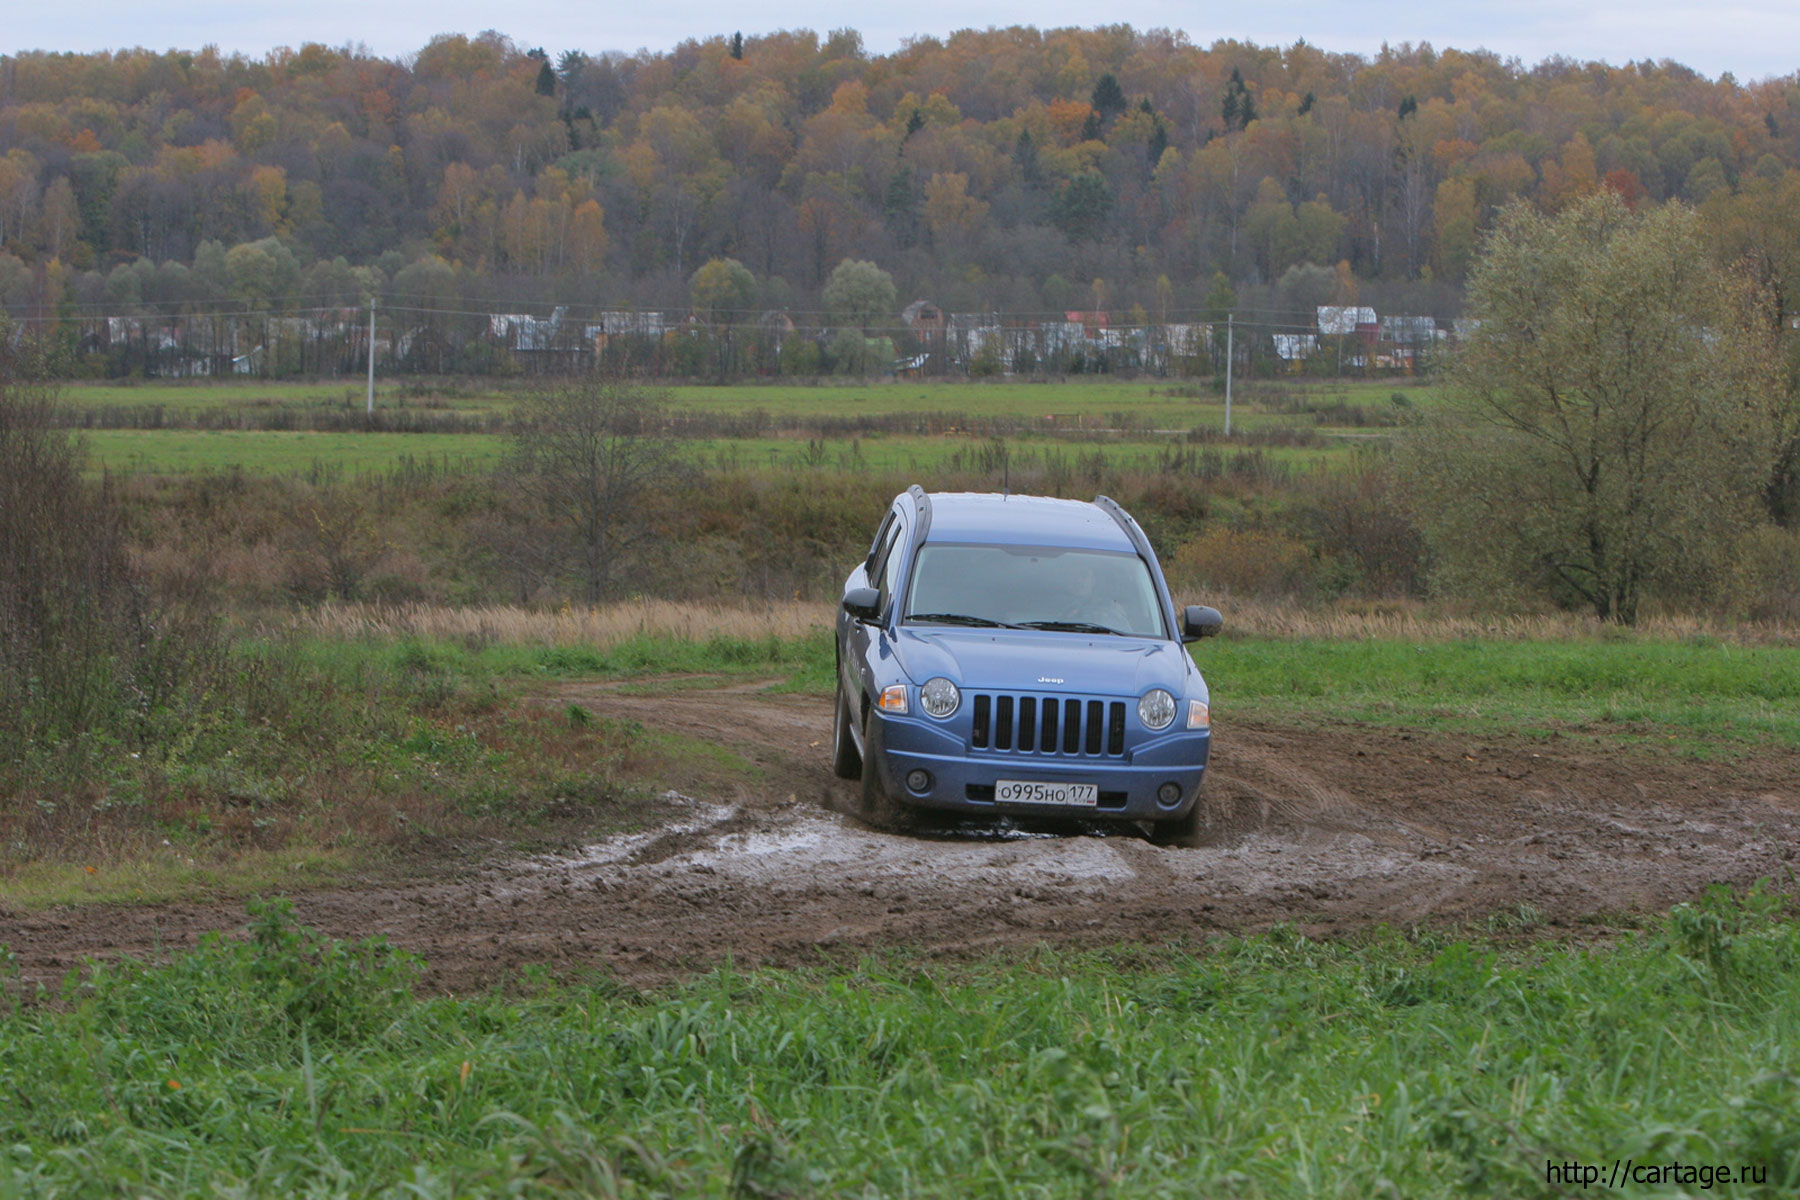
1025,153
1239,107
1109,98
546,76
1083,205
1159,141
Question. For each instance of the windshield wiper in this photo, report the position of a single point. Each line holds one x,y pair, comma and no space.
1071,627
960,619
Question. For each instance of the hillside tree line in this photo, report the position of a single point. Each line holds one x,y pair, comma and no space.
1016,170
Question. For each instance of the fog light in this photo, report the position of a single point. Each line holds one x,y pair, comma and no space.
1169,795
918,781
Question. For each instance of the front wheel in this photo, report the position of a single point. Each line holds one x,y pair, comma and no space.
1185,830
878,808
846,760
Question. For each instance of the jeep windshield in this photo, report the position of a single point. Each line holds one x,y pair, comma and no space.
1034,587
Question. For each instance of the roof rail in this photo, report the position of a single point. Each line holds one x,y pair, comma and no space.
1124,521
922,499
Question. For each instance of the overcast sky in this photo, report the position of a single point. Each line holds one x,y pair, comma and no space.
1752,39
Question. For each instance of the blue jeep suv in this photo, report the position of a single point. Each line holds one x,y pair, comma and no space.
1021,655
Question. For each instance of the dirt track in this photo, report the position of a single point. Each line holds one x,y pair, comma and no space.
1332,829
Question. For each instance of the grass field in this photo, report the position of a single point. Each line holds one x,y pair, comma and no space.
285,452
1068,416
185,396
1700,697
280,452
1393,1065
1174,402
1700,692
416,710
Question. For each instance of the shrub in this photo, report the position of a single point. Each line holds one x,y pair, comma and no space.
287,986
1244,562
85,658
1359,518
1765,584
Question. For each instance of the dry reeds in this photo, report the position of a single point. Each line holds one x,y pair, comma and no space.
602,626
1420,623
614,623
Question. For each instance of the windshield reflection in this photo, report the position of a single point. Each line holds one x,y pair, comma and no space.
1046,587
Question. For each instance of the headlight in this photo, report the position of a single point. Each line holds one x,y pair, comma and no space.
1157,709
939,697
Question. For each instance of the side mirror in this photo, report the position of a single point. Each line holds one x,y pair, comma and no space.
863,603
1198,621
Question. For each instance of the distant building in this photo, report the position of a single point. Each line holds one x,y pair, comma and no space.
1188,341
1409,331
922,317
526,332
1337,320
1295,348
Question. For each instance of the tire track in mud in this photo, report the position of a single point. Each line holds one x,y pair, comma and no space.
1334,828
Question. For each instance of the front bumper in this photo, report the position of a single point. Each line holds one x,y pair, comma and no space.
962,779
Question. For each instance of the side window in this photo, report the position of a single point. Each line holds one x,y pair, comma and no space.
883,539
887,565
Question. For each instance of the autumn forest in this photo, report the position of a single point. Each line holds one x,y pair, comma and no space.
1015,170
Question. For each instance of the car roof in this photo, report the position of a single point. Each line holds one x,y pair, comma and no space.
1012,520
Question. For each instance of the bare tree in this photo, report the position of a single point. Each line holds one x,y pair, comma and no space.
335,538
588,459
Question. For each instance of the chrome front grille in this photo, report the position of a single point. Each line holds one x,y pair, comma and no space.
1048,725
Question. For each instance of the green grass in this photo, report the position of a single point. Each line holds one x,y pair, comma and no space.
1161,403
462,667
308,759
1067,417
283,452
286,452
1689,693
1396,1065
191,396
1621,689
1076,456
1170,402
175,875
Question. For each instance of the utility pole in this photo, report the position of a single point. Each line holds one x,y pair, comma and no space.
372,360
1230,318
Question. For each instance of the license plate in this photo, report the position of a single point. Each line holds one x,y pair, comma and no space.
1020,791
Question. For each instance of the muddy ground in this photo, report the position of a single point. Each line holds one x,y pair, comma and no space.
1329,829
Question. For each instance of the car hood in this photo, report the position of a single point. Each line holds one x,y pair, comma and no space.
1044,662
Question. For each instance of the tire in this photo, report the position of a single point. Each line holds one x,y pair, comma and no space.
1185,831
846,760
878,809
